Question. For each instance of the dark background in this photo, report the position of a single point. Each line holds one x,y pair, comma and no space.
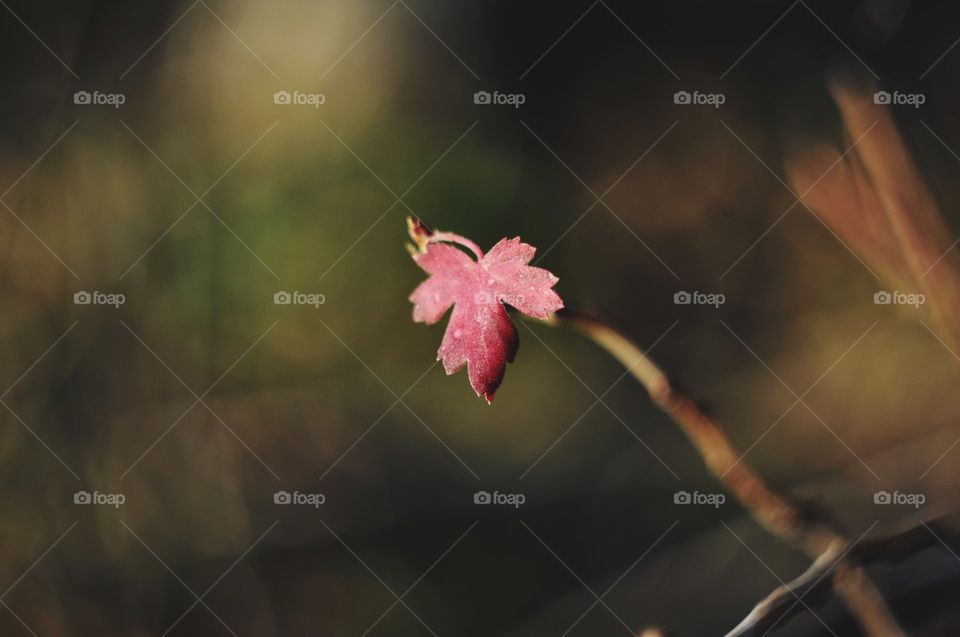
313,406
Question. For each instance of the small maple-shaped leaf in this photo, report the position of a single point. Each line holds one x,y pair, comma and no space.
479,335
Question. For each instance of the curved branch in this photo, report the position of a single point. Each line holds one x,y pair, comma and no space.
777,514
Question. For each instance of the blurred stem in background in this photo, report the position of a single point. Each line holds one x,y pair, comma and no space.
879,206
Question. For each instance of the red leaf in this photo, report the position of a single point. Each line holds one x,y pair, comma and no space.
479,335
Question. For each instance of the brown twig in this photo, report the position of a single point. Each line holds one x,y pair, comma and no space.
771,510
813,586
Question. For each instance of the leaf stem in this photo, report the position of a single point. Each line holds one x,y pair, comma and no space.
452,237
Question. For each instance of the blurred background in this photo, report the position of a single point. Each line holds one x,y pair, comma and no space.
198,158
